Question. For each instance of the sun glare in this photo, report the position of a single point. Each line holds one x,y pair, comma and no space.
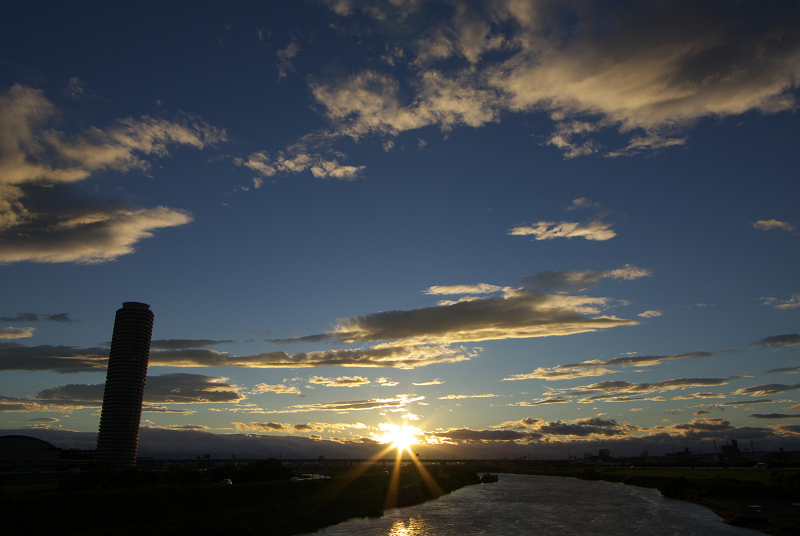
401,437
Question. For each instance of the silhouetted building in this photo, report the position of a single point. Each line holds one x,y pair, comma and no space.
118,437
23,454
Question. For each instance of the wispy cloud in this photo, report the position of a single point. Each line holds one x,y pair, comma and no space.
461,397
341,381
651,79
543,401
598,367
515,314
791,303
66,359
312,152
279,388
397,403
437,381
178,344
791,339
577,280
769,225
623,391
547,230
33,317
43,218
16,333
285,56
583,202
651,313
480,288
164,389
766,389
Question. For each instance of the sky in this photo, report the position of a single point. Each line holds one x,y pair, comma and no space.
517,228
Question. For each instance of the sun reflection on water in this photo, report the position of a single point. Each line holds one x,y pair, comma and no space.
413,527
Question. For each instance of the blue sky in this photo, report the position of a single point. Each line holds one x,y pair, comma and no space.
520,227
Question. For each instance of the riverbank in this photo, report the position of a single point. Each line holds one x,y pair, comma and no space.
275,508
768,501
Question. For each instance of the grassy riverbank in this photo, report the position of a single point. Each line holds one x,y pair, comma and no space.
275,508
768,500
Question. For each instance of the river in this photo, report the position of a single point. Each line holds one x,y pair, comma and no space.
545,506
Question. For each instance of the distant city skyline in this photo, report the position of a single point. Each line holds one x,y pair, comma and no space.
522,227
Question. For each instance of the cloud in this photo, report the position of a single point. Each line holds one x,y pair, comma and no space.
573,279
792,339
650,79
460,397
8,403
33,317
437,381
768,225
791,303
597,367
743,402
64,359
623,391
594,230
788,429
542,401
265,427
481,288
279,388
583,202
386,382
702,424
192,427
557,373
766,389
650,313
311,152
393,404
517,314
322,426
465,435
16,333
341,381
637,361
521,424
404,357
43,217
785,370
774,416
178,344
593,426
285,56
164,389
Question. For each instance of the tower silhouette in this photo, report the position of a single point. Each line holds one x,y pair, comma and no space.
118,437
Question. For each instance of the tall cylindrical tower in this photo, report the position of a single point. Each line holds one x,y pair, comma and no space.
118,437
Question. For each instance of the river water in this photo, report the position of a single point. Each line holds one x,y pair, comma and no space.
545,506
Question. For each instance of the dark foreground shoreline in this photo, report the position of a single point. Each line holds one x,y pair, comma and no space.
274,508
768,501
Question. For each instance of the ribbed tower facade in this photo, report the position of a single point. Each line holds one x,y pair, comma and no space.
118,437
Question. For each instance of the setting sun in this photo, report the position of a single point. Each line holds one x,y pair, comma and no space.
401,437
